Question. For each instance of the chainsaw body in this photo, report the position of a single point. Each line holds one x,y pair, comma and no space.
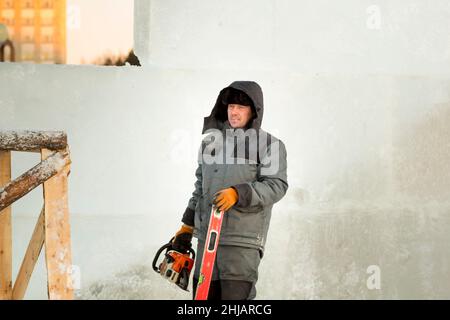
176,266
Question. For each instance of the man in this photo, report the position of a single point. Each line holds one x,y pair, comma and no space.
243,178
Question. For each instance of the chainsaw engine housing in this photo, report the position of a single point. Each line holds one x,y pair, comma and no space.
176,266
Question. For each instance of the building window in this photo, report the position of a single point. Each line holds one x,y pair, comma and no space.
28,51
47,34
27,38
8,21
47,21
47,52
27,13
47,38
47,4
7,13
28,21
8,4
47,56
27,4
27,34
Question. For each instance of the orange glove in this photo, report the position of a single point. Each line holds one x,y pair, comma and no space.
226,198
183,238
184,229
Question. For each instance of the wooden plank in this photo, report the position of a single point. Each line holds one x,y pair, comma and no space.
5,232
16,189
30,259
57,234
27,140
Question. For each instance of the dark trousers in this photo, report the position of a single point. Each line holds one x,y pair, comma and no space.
226,289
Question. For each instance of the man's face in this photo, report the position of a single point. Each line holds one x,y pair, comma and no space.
239,115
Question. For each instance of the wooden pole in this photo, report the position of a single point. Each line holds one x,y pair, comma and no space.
32,140
5,232
30,259
57,234
32,178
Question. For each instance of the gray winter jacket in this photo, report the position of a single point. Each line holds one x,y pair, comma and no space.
251,161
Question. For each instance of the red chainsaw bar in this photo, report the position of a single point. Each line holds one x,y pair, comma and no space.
209,254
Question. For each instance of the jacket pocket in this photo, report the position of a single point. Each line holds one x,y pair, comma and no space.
239,224
246,172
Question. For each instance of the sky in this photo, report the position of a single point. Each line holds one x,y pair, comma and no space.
99,27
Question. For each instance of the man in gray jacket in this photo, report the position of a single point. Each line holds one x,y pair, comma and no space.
241,170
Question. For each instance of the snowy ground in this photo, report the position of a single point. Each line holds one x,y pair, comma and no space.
313,254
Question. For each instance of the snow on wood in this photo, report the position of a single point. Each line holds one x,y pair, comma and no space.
26,140
34,177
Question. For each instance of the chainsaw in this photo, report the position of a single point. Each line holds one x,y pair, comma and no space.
176,266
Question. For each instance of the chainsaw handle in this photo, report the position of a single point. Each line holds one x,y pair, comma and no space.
158,253
164,247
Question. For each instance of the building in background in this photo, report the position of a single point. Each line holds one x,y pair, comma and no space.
37,29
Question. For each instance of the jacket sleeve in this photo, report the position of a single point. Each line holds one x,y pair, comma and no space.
188,216
271,184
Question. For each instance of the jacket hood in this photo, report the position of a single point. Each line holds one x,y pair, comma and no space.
218,117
